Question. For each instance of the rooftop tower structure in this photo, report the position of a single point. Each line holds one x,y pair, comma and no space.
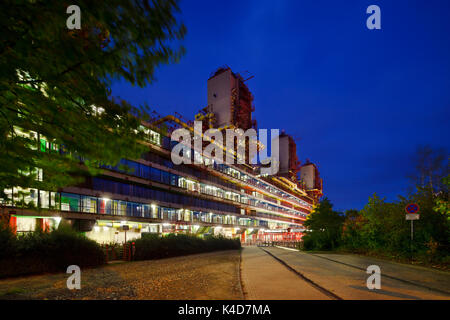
230,100
289,164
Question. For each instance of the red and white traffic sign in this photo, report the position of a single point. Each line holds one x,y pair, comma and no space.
412,210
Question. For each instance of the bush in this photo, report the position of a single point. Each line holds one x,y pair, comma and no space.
324,225
154,246
380,228
40,252
317,241
7,241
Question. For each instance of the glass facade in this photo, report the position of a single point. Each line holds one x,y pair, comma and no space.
81,203
161,176
183,187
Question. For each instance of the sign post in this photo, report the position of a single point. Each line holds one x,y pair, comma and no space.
412,214
412,230
125,227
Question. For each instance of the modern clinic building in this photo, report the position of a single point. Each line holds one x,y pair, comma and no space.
157,196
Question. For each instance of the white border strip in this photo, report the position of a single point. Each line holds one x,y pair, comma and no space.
286,248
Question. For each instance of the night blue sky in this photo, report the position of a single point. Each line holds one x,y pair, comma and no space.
359,100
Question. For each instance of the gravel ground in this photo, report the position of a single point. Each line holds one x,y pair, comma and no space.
202,276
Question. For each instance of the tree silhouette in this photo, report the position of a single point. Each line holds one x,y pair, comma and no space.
56,108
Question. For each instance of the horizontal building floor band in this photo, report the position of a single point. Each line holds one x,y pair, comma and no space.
203,218
87,206
140,207
109,231
235,173
92,201
176,175
212,192
126,187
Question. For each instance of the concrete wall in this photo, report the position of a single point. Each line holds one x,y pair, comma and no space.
219,97
307,174
284,154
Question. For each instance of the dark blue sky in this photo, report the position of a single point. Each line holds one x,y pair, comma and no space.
359,100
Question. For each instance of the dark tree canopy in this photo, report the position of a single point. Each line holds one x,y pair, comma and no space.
56,82
325,226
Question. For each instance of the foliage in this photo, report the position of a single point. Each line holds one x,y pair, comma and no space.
55,84
7,241
381,227
154,246
324,227
39,252
442,205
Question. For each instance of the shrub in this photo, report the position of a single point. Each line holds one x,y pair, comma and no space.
380,228
325,226
53,251
154,246
7,241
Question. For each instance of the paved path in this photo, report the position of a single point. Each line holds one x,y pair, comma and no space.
216,276
207,276
264,278
427,277
345,276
